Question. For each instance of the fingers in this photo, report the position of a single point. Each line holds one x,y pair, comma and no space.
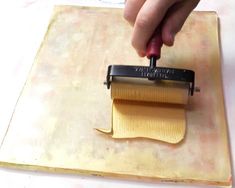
175,19
131,10
147,20
146,15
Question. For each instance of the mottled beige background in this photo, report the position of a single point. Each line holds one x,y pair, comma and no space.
64,99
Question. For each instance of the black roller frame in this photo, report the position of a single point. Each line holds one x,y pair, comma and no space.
151,73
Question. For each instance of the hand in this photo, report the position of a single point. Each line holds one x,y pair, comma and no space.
146,15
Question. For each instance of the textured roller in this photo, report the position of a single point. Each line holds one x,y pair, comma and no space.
145,90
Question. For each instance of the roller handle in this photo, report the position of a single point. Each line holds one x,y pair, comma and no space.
154,45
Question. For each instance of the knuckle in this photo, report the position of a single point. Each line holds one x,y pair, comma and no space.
143,22
129,17
174,25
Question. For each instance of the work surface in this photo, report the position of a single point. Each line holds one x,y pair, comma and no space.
75,84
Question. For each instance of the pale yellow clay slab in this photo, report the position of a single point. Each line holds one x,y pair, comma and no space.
52,127
148,120
153,117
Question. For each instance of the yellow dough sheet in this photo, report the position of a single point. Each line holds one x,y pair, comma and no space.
148,120
64,99
141,108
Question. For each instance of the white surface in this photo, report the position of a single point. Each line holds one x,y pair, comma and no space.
23,25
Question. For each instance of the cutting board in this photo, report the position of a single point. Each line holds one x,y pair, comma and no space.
64,99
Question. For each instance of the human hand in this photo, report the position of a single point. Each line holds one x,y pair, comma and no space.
146,15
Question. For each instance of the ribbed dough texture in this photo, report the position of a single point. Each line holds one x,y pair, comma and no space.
163,92
148,109
147,120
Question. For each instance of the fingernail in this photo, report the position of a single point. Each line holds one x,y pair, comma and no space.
141,53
